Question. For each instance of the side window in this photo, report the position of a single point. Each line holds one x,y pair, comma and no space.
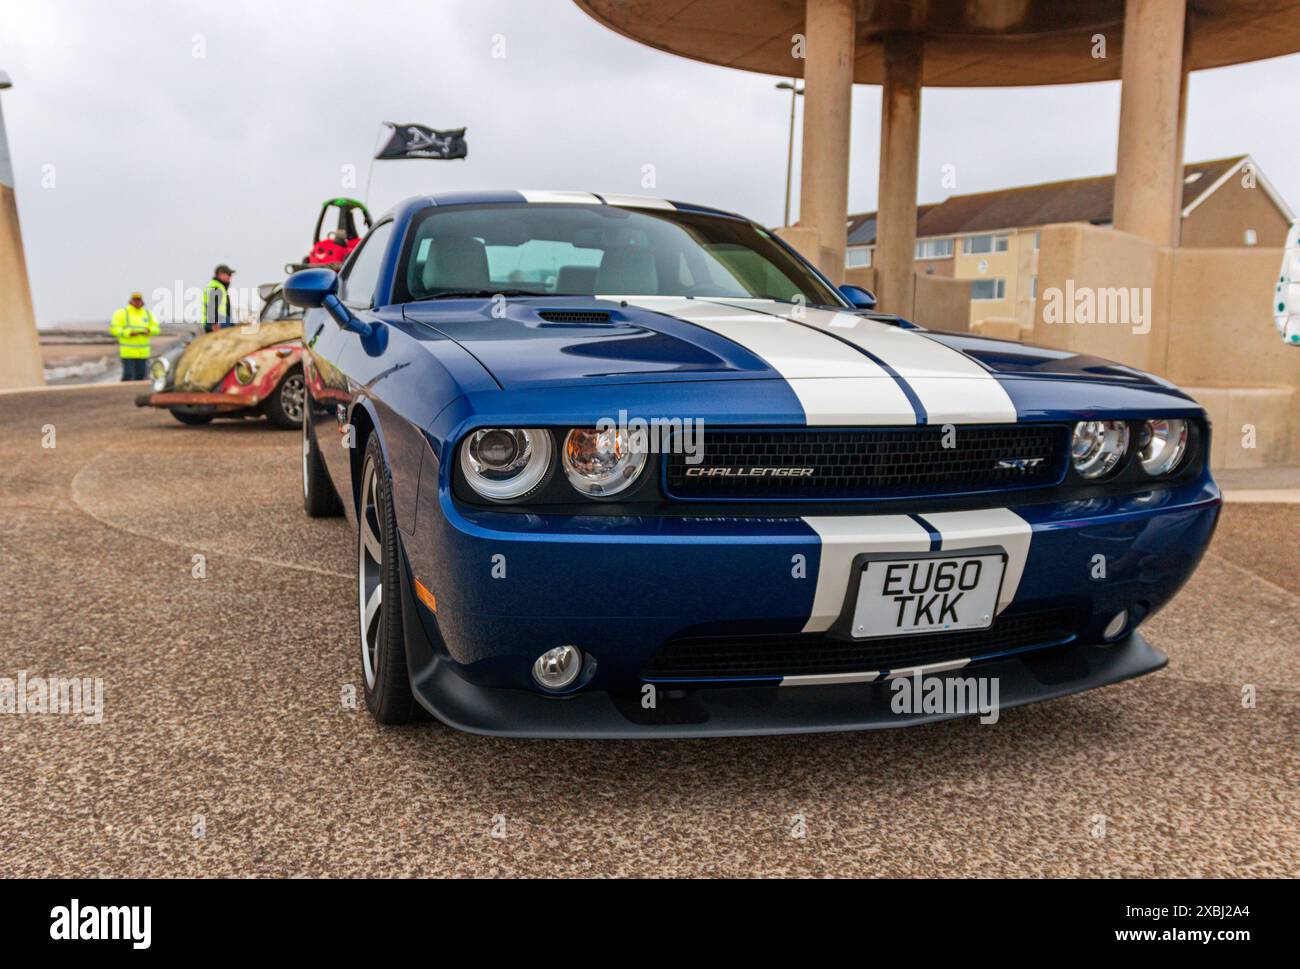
273,310
361,274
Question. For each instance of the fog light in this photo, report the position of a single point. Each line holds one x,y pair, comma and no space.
557,668
1115,627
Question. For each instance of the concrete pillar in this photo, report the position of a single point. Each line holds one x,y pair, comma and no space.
1179,151
1152,79
827,106
900,143
20,349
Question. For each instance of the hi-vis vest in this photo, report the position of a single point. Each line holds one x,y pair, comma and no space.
132,327
220,298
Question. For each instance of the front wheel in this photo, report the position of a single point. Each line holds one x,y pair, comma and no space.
188,417
379,596
287,403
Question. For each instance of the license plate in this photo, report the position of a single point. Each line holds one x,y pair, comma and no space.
898,597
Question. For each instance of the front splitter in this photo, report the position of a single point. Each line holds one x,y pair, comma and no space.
725,711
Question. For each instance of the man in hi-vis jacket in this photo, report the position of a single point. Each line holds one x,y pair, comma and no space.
133,325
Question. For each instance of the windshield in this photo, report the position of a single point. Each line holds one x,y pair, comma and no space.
598,250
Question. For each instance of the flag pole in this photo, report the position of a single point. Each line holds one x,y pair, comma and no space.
370,172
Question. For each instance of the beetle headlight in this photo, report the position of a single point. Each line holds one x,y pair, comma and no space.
601,462
245,371
1098,446
158,369
502,463
1162,445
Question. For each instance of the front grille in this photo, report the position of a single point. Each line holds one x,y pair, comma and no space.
869,463
802,654
574,316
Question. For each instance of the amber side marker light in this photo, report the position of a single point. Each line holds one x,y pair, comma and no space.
425,596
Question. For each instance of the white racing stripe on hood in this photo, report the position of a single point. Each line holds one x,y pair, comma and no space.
845,536
835,384
952,388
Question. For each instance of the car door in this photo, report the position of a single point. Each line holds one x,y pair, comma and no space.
329,345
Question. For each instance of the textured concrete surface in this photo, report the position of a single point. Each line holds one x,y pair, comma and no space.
223,712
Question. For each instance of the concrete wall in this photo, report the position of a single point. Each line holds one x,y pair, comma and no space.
940,303
1076,258
1210,331
20,350
1223,332
801,239
864,276
943,303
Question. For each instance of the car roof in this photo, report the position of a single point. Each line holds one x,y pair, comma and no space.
547,196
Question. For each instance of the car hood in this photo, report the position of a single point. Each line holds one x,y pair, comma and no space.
551,341
208,358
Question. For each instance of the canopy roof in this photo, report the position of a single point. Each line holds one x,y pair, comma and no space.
968,43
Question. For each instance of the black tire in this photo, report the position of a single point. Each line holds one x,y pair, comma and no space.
285,407
192,419
319,499
384,674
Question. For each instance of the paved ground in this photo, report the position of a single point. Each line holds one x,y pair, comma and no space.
223,712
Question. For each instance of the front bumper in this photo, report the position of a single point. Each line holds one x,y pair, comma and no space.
767,709
509,586
218,403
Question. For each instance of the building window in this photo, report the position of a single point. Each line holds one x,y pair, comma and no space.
988,289
861,256
933,248
1038,238
978,245
1251,238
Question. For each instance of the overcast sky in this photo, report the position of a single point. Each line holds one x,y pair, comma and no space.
140,165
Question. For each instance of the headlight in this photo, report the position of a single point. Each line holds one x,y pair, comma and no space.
603,462
1098,446
502,463
1162,445
158,369
245,371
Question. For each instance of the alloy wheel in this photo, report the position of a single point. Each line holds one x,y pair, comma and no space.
293,395
370,556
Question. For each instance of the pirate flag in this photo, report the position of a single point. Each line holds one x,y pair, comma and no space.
421,141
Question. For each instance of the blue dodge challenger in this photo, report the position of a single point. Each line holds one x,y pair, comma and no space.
624,467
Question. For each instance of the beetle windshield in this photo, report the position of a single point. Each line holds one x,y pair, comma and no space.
598,250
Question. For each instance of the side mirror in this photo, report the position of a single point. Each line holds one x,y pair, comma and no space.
863,299
319,289
309,288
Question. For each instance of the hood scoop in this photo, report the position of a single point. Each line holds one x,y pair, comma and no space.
575,317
